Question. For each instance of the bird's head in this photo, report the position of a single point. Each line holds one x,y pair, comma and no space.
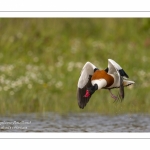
91,90
87,94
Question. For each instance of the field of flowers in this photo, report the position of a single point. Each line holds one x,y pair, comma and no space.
41,60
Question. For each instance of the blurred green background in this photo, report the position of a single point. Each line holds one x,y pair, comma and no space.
41,60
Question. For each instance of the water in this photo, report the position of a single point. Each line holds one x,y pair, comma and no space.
81,122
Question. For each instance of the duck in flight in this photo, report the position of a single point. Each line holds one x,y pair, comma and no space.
92,79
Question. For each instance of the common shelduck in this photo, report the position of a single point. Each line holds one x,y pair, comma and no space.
92,79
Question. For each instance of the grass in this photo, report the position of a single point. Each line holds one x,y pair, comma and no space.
41,60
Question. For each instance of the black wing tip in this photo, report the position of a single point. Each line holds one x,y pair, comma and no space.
80,98
82,102
80,106
122,97
123,73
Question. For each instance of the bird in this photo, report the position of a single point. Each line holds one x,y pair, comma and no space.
92,79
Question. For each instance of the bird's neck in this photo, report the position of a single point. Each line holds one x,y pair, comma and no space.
101,83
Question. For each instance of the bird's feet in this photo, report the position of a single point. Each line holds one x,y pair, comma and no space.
113,96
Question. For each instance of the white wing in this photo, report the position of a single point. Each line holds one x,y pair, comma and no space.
87,70
113,67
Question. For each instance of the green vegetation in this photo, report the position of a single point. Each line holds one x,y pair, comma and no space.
41,60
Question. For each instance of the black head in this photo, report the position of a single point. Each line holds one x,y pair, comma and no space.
93,89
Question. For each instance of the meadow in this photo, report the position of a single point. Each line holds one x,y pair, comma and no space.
41,60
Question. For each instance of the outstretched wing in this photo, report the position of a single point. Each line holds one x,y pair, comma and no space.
114,68
84,82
